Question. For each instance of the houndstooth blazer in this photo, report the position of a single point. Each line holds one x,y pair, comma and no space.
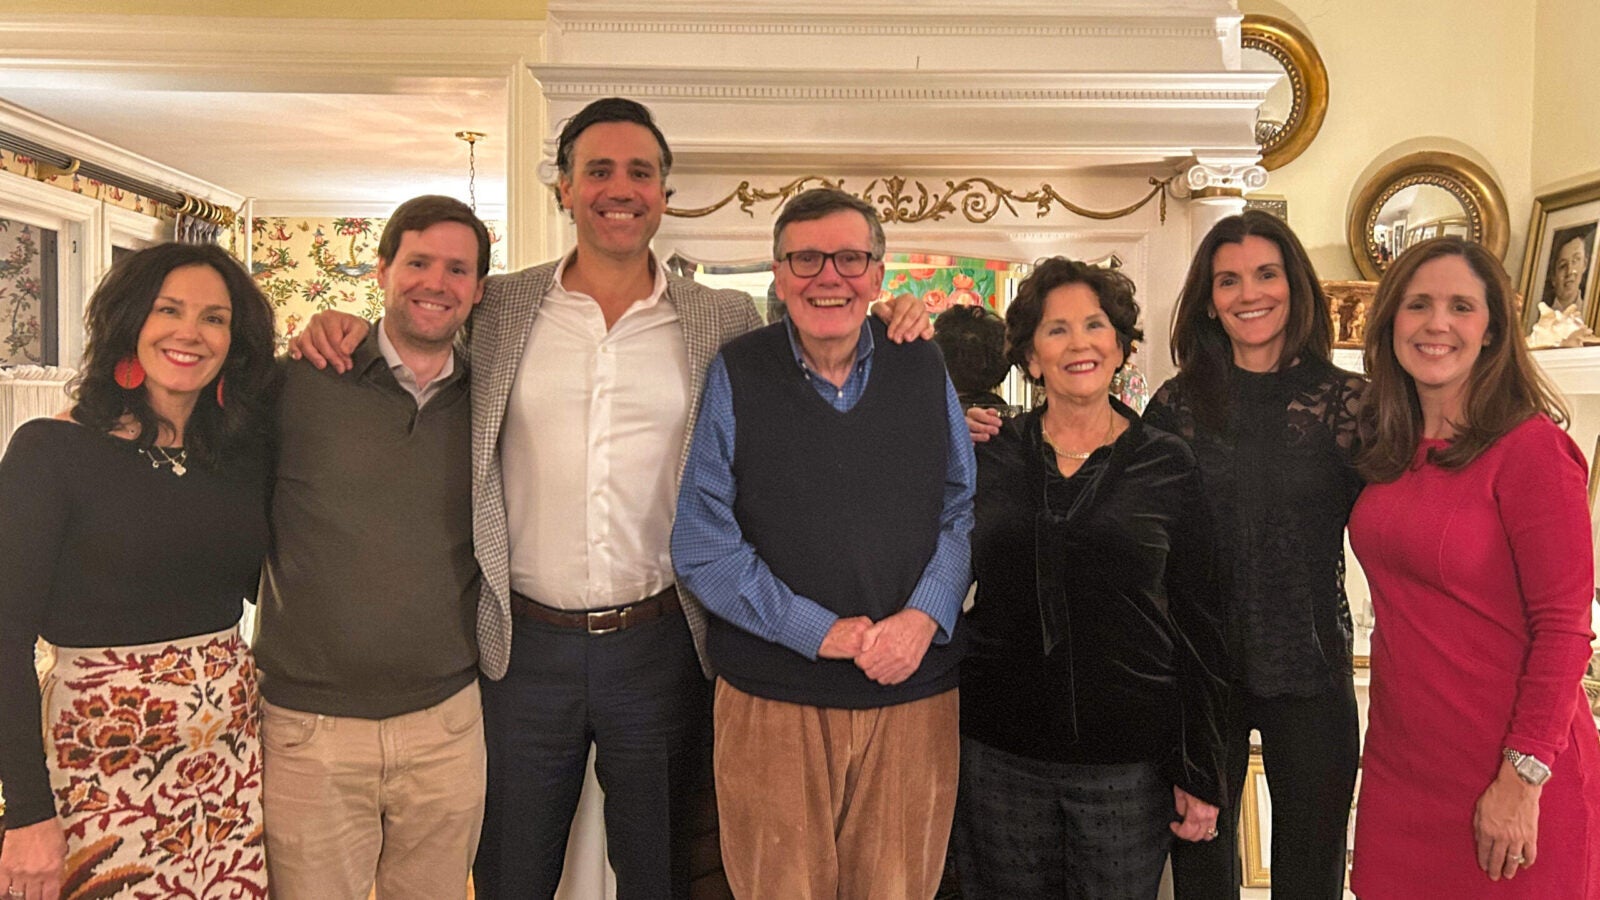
500,329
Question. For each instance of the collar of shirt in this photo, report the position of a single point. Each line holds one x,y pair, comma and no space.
841,397
559,293
408,378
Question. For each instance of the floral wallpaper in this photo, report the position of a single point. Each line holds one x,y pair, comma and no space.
21,280
307,265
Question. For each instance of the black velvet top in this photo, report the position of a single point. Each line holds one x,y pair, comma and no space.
98,549
1280,484
1111,570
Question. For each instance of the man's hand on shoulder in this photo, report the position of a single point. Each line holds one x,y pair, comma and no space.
895,645
330,336
845,639
906,317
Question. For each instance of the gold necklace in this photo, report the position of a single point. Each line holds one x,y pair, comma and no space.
1111,426
167,459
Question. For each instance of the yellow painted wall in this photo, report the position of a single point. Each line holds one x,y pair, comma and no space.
301,9
1454,75
1566,115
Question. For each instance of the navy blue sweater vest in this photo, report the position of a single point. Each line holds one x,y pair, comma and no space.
843,507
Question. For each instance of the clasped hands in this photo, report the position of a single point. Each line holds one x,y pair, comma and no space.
887,651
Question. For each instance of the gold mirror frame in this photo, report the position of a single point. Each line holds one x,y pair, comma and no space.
1473,188
1308,81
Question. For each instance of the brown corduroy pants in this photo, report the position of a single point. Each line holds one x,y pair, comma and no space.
835,804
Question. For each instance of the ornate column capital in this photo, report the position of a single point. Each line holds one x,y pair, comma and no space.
1218,178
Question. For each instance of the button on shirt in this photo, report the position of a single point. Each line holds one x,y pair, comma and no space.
594,430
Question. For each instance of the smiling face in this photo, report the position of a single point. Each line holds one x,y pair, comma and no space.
430,286
1440,328
185,338
1572,258
1250,295
615,190
1075,348
827,308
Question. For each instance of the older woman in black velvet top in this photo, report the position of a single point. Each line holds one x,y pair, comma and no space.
1091,697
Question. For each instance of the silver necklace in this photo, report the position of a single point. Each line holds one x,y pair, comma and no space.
167,459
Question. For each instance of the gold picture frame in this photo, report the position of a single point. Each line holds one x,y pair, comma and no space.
1255,808
1482,216
1307,81
1574,211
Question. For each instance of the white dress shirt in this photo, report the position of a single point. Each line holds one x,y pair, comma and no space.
593,432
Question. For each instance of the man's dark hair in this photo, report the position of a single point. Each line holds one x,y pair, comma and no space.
973,340
608,109
422,213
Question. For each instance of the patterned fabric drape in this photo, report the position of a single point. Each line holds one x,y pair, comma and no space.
191,230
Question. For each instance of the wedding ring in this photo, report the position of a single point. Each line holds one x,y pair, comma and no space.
1211,833
1519,859
13,892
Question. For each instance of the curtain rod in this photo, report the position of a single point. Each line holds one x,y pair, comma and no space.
51,162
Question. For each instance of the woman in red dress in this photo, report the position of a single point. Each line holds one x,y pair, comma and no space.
1481,772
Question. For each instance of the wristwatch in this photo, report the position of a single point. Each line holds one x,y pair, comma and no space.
1529,768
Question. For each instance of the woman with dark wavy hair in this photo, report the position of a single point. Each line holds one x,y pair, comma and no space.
1092,693
134,526
1273,425
1481,763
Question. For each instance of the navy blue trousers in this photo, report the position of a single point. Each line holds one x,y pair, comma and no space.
639,697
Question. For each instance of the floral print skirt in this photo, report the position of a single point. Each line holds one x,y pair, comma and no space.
155,760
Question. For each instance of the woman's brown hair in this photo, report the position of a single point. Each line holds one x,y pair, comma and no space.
1504,388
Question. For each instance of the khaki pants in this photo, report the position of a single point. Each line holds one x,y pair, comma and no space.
818,804
394,803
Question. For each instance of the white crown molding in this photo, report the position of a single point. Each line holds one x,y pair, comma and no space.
800,10
76,144
801,25
243,54
1224,90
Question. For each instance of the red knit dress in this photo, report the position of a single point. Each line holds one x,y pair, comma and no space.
1481,581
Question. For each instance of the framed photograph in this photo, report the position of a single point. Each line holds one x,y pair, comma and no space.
1558,269
1348,302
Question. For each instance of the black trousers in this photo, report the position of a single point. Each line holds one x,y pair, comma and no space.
1027,828
1310,747
639,697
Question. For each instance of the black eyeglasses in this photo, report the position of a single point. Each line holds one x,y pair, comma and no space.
848,263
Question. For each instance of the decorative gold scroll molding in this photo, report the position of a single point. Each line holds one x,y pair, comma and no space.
976,199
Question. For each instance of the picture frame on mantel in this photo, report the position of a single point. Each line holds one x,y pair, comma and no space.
1563,240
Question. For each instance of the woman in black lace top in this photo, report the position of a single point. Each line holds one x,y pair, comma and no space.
1273,425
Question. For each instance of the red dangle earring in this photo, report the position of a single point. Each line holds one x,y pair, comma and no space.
219,392
128,372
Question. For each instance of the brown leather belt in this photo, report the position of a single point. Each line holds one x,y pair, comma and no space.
601,621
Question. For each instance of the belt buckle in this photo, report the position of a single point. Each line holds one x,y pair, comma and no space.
594,621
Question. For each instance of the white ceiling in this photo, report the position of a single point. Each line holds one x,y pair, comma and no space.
299,153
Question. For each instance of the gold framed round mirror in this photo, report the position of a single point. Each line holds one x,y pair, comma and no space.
1292,114
1420,196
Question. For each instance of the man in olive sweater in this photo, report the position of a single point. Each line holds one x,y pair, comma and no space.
372,727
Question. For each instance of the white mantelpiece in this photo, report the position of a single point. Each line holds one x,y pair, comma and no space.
1093,100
